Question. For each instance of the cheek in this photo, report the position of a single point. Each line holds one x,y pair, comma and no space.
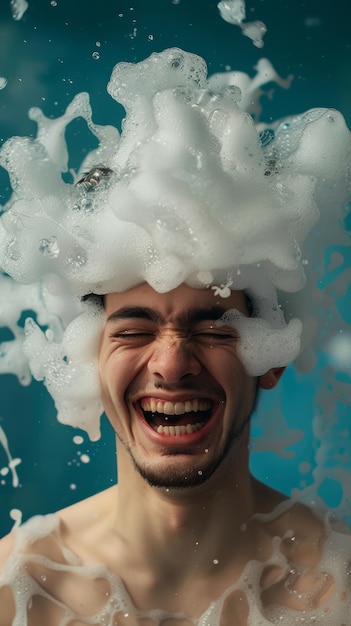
224,365
117,370
228,371
109,377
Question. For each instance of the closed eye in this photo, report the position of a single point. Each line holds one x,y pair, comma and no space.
132,335
213,336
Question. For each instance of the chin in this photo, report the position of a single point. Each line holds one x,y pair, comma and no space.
178,475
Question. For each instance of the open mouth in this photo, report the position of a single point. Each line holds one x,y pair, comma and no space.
176,418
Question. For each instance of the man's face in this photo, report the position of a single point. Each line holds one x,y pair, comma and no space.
173,387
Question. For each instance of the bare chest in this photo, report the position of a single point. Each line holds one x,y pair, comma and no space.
62,594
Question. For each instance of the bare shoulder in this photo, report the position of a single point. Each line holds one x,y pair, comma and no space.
300,531
42,535
284,517
7,612
84,526
40,554
6,547
87,517
309,561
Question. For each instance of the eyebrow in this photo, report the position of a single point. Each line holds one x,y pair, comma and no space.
149,314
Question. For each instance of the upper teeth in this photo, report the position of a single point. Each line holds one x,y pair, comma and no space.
175,408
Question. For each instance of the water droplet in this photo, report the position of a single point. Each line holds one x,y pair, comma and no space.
183,94
3,82
84,204
215,561
14,250
16,515
18,8
43,577
77,439
78,259
176,62
171,223
49,247
49,334
96,55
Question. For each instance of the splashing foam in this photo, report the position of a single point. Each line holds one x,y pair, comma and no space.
191,191
18,8
234,12
41,559
12,463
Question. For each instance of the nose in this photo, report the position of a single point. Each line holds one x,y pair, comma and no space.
173,360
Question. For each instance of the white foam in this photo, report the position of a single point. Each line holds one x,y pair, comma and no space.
260,346
12,463
234,12
18,8
113,600
174,180
69,368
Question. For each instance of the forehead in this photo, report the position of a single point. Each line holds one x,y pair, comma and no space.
174,303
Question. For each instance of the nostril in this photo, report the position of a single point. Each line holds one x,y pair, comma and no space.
173,360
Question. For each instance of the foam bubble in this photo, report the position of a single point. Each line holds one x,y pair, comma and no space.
260,346
18,8
12,463
16,516
339,350
77,439
234,12
69,367
110,599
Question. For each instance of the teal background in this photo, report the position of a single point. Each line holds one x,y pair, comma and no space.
47,58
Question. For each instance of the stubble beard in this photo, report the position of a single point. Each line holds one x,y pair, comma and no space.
174,478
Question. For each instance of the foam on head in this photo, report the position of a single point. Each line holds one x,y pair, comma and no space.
192,191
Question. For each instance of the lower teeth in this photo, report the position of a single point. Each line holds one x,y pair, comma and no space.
189,429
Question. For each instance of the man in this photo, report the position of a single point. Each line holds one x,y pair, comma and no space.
188,535
188,228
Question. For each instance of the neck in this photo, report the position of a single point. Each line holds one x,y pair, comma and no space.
205,522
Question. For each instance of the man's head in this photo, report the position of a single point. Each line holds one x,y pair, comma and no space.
173,385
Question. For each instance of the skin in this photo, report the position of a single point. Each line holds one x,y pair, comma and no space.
179,528
174,358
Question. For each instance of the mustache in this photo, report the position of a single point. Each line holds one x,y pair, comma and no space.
189,386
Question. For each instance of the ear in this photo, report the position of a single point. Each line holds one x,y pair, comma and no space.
270,378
